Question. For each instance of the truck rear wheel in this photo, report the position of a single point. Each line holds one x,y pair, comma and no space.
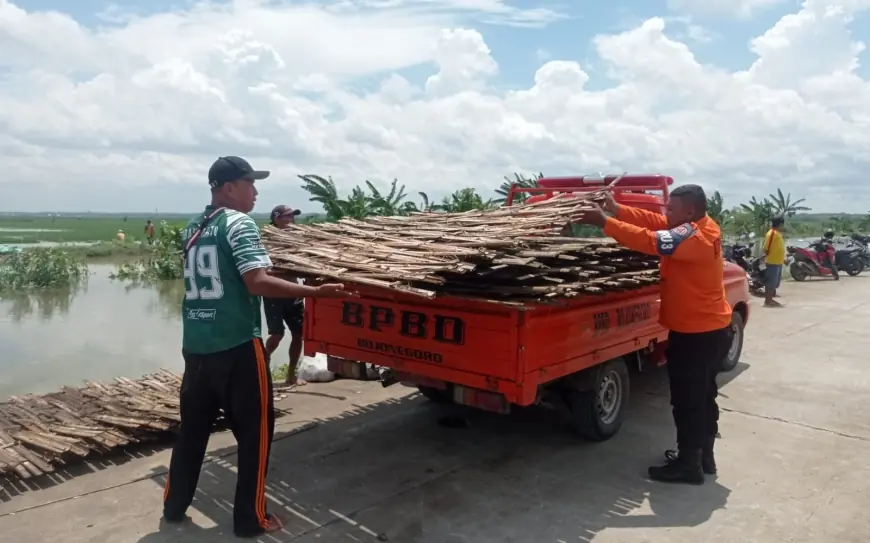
736,347
435,395
597,414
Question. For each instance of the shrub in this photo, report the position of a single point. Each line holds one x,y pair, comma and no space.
163,262
41,268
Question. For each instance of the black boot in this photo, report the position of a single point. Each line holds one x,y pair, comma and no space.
685,468
708,461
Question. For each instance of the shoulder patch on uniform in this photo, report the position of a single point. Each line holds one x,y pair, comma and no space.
667,241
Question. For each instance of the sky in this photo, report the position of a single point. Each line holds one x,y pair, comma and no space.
113,107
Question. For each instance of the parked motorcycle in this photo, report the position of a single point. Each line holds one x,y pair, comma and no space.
812,261
754,267
739,254
755,275
862,242
850,260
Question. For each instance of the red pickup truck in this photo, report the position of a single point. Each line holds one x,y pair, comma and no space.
576,357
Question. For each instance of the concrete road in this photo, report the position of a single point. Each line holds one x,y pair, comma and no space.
353,462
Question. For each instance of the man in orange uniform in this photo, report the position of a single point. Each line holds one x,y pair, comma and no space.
693,309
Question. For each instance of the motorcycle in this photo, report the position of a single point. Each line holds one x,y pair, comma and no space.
849,260
739,254
812,261
755,275
754,267
862,242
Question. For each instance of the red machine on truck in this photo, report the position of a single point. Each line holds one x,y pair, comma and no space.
575,356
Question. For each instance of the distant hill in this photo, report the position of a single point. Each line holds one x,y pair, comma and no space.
825,217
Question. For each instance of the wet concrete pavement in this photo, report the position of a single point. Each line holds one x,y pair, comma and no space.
353,462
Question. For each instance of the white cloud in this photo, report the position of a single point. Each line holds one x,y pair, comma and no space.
733,8
130,116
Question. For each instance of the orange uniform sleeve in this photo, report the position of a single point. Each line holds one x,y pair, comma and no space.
767,240
679,243
642,218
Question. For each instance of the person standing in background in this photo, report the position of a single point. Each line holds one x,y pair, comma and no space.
149,231
774,259
281,311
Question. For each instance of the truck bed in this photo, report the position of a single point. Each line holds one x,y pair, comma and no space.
482,345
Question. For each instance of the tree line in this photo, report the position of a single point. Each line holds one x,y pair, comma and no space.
746,218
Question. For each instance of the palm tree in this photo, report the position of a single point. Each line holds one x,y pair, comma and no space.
521,181
391,204
784,206
466,199
716,209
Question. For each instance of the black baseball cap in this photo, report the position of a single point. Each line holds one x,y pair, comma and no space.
282,210
227,169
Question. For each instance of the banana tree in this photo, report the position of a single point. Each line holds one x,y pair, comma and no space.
324,192
411,207
783,205
758,214
716,209
359,205
392,203
466,199
520,181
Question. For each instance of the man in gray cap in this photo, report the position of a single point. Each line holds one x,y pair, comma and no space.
285,311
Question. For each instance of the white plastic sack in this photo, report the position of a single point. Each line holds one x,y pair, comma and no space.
373,372
313,369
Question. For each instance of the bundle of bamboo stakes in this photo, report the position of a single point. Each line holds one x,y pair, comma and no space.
516,255
38,433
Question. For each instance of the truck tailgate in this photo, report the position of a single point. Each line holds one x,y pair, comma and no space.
402,332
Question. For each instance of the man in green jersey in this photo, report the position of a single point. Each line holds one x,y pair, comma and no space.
225,367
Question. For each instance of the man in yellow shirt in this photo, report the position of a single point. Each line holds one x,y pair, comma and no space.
774,258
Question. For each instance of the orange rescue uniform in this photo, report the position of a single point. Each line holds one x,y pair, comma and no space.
692,268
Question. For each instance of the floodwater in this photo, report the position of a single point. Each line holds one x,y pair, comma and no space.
30,230
51,244
102,330
105,329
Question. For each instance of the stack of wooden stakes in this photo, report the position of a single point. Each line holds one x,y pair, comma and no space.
39,433
519,255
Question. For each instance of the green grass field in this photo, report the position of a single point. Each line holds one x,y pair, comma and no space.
73,229
20,229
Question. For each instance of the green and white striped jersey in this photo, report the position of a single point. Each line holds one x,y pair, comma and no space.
218,312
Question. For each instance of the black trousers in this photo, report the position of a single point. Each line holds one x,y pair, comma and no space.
693,363
238,382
